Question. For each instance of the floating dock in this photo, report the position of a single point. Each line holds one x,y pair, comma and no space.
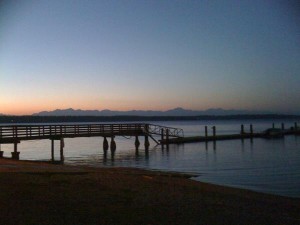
269,133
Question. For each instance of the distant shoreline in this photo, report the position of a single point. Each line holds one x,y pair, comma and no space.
128,118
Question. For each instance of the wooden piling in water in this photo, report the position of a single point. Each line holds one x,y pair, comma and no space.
167,136
162,134
15,154
137,142
242,129
52,150
147,143
251,129
62,145
113,144
1,152
214,131
206,131
282,126
296,126
105,144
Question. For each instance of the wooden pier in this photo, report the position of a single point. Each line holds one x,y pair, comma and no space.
14,134
268,133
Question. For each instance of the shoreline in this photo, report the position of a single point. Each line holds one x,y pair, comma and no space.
66,194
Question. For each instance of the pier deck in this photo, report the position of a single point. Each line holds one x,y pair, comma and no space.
14,134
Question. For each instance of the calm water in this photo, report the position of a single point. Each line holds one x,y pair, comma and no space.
265,165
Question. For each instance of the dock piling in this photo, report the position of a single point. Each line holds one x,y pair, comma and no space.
242,129
205,131
62,145
137,142
15,154
105,144
251,129
147,143
52,150
282,126
296,126
167,136
214,131
113,144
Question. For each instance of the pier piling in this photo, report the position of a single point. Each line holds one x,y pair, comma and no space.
251,129
242,129
282,126
147,143
105,144
137,142
62,145
206,131
52,150
113,144
167,136
15,154
214,131
296,126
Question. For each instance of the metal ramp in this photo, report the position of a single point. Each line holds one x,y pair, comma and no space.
163,131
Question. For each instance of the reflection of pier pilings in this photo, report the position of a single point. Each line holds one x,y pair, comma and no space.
104,155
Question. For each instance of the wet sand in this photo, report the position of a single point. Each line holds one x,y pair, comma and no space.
42,193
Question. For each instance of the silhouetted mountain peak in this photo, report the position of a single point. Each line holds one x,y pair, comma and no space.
172,112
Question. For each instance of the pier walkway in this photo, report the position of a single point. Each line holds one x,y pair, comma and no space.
14,134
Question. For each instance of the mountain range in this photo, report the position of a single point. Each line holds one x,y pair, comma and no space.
171,112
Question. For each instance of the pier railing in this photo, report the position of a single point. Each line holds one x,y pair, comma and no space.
11,133
159,130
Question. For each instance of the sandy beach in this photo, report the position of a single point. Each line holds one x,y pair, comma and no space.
43,193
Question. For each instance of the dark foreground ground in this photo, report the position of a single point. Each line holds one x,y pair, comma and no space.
40,193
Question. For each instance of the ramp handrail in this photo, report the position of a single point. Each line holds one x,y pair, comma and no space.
158,130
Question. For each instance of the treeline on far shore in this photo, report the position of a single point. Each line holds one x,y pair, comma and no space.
66,119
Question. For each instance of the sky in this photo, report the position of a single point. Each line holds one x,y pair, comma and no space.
149,55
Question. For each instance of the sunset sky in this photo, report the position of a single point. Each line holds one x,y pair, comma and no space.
149,55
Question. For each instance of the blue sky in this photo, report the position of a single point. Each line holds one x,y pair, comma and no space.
151,55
